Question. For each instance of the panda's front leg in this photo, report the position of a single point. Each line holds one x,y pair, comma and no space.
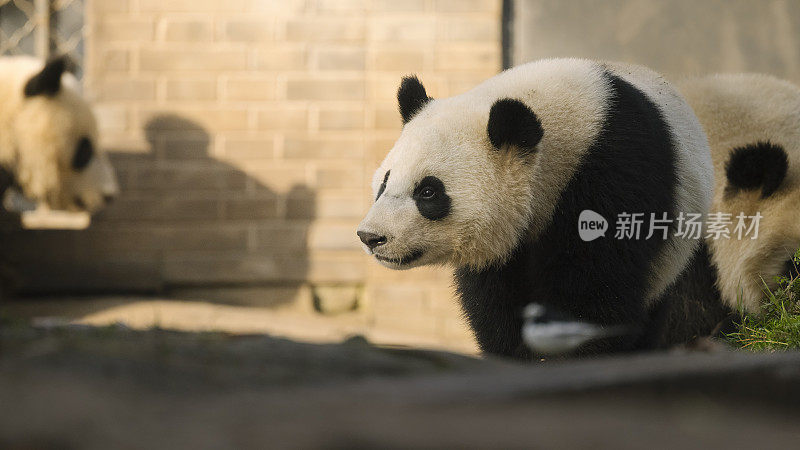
549,332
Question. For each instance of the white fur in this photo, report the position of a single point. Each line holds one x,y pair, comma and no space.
736,110
38,137
492,193
497,197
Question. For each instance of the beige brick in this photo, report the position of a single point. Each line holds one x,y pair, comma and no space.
394,29
408,321
111,118
341,6
193,6
399,298
378,147
125,89
340,59
471,6
481,29
443,302
400,60
188,178
300,203
384,88
275,175
206,237
323,236
462,82
455,328
136,30
284,235
216,119
339,206
253,30
264,206
398,6
249,89
192,59
160,208
340,118
114,60
386,118
325,30
284,118
181,147
249,148
279,7
188,30
281,59
342,267
339,177
102,239
192,89
324,89
467,58
219,267
119,6
324,148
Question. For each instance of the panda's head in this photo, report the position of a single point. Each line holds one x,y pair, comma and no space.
58,162
455,189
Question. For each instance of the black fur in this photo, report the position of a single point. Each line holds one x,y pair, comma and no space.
760,165
48,81
83,154
383,185
436,206
411,97
629,168
790,269
691,308
511,122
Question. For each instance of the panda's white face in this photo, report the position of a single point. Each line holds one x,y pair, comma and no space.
58,161
445,194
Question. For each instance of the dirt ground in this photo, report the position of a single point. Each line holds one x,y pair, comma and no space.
113,387
297,321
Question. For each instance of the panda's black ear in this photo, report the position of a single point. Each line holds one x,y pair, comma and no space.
511,122
412,97
48,81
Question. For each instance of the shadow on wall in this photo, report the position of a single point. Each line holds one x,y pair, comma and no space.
183,219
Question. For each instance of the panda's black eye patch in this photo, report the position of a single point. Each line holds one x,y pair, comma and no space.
383,185
83,154
432,201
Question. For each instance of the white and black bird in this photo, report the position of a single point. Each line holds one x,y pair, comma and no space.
546,333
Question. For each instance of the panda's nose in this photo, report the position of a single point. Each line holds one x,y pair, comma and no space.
371,240
109,198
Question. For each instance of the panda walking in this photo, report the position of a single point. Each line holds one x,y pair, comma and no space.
492,183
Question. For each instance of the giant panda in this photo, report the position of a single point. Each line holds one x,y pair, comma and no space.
753,126
492,182
48,138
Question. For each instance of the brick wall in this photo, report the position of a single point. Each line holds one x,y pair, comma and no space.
245,133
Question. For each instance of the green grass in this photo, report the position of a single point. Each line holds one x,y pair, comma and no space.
777,326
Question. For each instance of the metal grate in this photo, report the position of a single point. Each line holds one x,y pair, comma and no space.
43,28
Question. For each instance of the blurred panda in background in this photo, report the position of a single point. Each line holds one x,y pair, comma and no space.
48,140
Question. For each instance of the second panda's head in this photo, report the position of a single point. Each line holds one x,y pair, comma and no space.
456,187
58,162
